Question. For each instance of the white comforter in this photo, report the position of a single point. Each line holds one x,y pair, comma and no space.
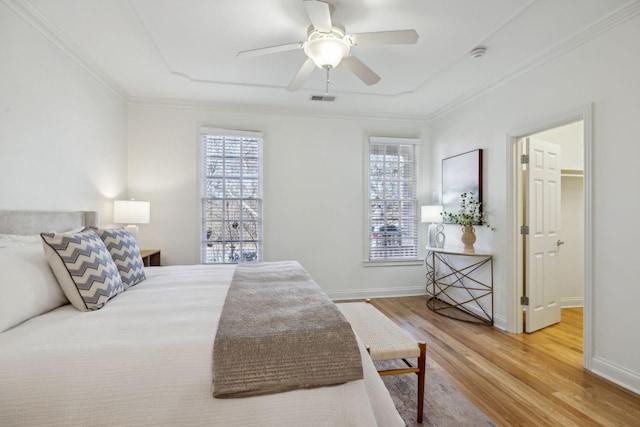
145,360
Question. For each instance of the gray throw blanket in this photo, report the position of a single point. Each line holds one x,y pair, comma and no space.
279,331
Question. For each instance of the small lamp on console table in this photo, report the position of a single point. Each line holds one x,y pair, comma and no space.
432,214
131,212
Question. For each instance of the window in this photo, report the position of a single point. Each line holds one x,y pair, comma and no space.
393,228
231,194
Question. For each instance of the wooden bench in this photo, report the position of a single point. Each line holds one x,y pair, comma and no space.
387,341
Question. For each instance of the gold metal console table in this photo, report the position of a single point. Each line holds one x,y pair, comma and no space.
460,284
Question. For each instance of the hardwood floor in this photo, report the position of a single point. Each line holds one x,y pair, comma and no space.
518,379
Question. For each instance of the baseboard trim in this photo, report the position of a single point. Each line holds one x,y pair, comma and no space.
572,302
347,294
410,291
499,322
617,374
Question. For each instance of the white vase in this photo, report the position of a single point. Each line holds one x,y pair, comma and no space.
468,238
440,237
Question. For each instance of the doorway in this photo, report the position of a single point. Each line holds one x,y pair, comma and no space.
576,245
553,205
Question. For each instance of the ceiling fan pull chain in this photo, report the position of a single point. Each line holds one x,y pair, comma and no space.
327,91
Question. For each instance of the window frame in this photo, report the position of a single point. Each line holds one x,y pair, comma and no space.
390,261
202,180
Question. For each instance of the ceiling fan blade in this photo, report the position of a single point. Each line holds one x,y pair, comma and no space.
269,50
386,37
301,76
320,15
363,72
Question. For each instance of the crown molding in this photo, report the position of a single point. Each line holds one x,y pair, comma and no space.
608,22
36,20
341,114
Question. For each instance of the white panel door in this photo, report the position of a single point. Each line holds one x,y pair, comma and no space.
542,242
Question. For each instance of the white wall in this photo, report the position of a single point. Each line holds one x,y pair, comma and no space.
62,134
570,137
603,71
572,252
314,190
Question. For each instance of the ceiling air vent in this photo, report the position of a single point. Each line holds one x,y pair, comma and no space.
327,98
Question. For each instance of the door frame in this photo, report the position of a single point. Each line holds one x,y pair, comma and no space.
515,239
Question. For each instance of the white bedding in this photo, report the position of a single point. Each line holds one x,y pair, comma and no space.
145,360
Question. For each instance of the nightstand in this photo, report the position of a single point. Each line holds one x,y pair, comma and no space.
150,257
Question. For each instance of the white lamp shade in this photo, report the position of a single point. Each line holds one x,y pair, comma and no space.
327,51
431,213
131,212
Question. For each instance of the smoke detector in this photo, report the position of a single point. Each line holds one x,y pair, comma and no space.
478,52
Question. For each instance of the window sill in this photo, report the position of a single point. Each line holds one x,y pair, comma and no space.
392,263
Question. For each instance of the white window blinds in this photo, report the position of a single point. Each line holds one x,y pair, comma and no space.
231,195
393,232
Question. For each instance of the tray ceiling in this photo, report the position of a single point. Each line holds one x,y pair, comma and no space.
185,51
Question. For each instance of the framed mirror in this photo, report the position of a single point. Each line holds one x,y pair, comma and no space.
461,174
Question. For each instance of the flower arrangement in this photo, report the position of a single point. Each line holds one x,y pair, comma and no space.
470,212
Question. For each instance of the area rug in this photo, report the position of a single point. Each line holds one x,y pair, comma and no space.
444,406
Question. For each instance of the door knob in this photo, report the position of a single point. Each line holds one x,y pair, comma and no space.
559,242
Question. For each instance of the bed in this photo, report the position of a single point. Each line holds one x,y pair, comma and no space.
142,359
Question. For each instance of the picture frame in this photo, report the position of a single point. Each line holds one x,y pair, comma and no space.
461,173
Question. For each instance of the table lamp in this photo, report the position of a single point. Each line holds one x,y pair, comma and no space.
432,214
131,212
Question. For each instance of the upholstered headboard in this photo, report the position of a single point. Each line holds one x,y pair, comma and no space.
35,222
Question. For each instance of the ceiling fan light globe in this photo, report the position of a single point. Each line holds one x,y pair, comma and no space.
327,51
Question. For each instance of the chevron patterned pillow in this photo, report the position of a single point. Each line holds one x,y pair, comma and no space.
83,267
125,253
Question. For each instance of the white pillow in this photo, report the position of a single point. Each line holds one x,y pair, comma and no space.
28,287
26,239
18,240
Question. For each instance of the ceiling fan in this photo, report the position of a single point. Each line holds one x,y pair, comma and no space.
328,44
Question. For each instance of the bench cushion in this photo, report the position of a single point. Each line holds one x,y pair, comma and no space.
385,339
